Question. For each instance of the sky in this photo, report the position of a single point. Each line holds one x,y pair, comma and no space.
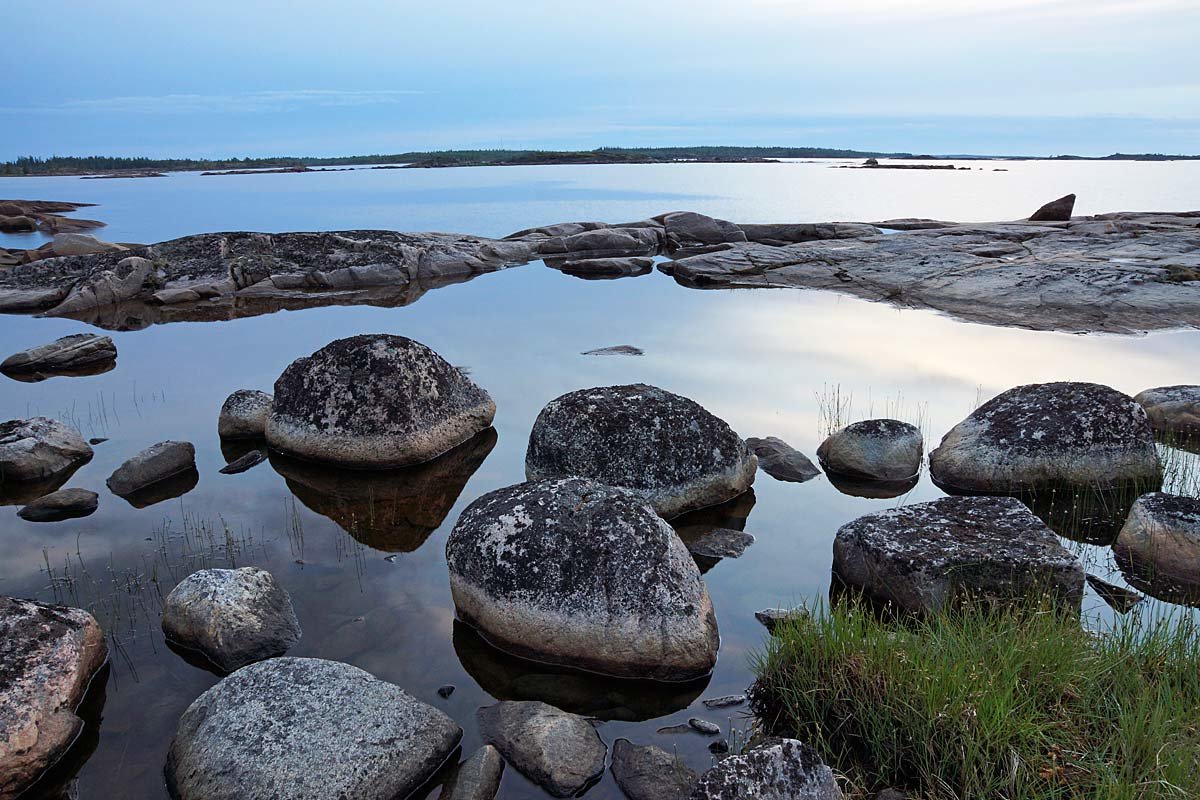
225,78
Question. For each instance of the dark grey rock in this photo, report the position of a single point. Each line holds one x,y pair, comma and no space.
375,401
1055,211
244,415
445,691
61,505
618,350
1173,410
560,752
97,440
728,701
710,542
477,778
591,563
660,445
769,618
925,556
676,729
778,235
244,462
646,772
1158,548
604,268
783,769
782,461
232,617
306,729
84,350
38,449
157,463
1119,598
719,747
687,229
601,243
704,726
874,450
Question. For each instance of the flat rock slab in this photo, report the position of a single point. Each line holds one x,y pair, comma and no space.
1119,598
784,769
560,752
306,729
646,772
61,505
925,556
156,464
76,352
244,462
728,701
781,461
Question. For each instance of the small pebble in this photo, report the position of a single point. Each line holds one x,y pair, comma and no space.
704,726
726,701
446,691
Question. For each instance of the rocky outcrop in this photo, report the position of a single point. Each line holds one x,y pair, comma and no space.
781,461
82,351
306,729
926,556
1055,211
1158,549
1047,435
48,657
579,574
662,446
45,215
156,464
244,415
39,449
646,772
687,229
373,402
874,450
1174,411
558,751
82,244
605,242
61,505
232,617
780,769
780,234
477,778
128,278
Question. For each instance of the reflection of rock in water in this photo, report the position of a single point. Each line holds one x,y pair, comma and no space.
507,677
1144,577
175,486
21,493
695,525
58,782
75,372
875,490
390,510
1187,442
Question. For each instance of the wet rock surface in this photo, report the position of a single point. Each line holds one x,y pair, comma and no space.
375,401
157,464
244,415
61,505
646,772
477,778
575,573
781,461
874,450
926,556
1173,410
782,769
662,446
79,352
308,729
560,752
1158,549
39,449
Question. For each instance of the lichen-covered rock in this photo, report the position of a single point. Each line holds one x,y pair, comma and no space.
781,769
244,415
1159,547
665,447
1056,210
560,752
233,617
576,573
646,772
375,401
925,556
781,461
81,351
477,778
48,656
1047,435
306,729
157,463
1173,410
61,505
39,449
874,450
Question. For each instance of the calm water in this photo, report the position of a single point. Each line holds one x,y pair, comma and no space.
369,579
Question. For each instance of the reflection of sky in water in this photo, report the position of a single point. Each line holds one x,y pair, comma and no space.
759,359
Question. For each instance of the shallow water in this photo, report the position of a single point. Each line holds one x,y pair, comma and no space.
363,557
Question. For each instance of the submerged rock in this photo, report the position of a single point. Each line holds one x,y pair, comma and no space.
306,729
477,778
782,769
728,701
646,772
70,353
576,573
926,556
39,449
1055,211
874,450
659,445
244,415
781,461
156,464
1158,549
375,401
558,751
61,505
1173,410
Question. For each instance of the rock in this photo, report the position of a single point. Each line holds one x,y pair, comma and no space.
1056,210
601,243
576,573
1158,549
39,448
718,747
242,463
233,617
875,490
477,778
97,440
728,701
81,244
17,224
770,618
1049,435
61,505
244,415
660,445
306,729
783,769
778,235
68,353
926,556
874,450
1173,410
781,461
48,657
123,282
155,464
558,751
709,542
646,772
672,730
618,350
374,402
1119,598
445,691
687,229
704,726
604,268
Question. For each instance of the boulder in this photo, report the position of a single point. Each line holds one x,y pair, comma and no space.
1158,549
926,556
244,415
232,617
687,229
572,572
601,243
1174,411
664,447
781,769
874,450
17,224
38,449
1056,210
108,287
646,772
558,751
604,268
1048,435
306,729
375,401
477,778
80,351
48,657
82,244
708,542
61,505
156,464
781,461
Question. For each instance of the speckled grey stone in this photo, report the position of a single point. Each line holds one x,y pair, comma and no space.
39,448
926,555
61,505
781,461
560,752
1159,546
782,769
665,447
580,574
232,617
306,729
874,450
646,772
375,401
68,353
477,778
153,465
244,415
1173,410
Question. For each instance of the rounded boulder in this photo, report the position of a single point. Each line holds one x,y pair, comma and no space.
874,450
244,415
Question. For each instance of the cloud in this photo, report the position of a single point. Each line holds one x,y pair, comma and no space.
241,102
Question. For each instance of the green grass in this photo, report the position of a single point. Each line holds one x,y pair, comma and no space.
975,704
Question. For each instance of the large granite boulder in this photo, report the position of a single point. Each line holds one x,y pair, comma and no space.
156,464
1174,411
646,772
560,752
61,505
244,415
477,778
926,556
306,729
1158,549
664,447
375,401
232,617
874,450
79,352
781,461
48,657
687,229
1047,435
39,449
1056,210
781,769
575,573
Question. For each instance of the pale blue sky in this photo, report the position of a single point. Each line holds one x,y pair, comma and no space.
302,77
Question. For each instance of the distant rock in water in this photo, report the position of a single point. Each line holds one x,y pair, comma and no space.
874,450
618,350
79,352
1158,549
781,461
244,415
1056,210
780,769
61,505
558,751
1174,411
